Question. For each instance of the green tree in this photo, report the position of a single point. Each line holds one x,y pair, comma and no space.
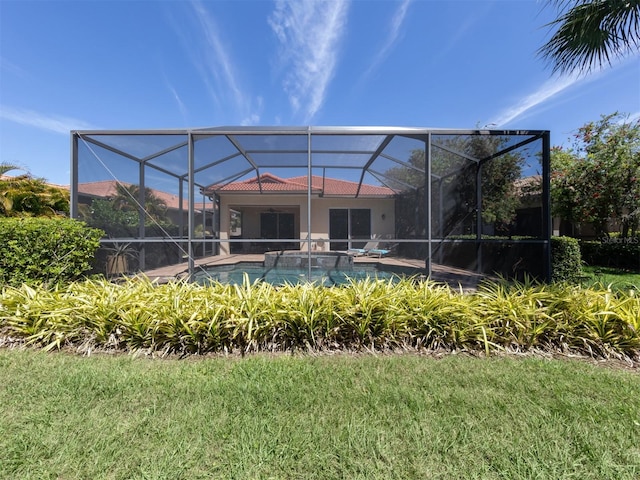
127,200
589,33
599,179
118,216
455,174
30,196
116,223
5,201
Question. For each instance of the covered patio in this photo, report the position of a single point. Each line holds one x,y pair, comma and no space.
474,201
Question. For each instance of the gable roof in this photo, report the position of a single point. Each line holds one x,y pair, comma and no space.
269,183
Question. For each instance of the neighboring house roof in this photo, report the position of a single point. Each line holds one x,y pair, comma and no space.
108,189
31,177
269,183
531,185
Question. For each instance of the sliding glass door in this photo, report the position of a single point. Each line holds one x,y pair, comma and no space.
347,225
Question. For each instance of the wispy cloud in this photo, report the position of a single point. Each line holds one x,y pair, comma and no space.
459,31
181,106
395,28
7,66
310,34
253,118
528,102
551,88
52,123
210,55
215,63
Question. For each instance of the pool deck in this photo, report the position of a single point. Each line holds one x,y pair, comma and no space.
455,277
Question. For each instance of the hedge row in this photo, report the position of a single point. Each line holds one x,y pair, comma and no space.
186,318
60,249
47,250
612,252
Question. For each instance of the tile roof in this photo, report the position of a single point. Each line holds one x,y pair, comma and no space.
108,189
327,186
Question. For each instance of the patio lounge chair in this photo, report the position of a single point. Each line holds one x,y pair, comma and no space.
383,251
358,252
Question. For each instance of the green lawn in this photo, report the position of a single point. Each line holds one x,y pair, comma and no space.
616,278
331,416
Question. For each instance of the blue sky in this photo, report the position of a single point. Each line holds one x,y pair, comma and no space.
77,65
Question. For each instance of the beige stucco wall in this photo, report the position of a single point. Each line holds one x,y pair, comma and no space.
380,227
380,207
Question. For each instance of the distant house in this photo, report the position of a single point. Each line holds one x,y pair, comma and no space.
269,207
176,212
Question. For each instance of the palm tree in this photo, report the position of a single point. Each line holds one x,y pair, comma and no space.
6,204
591,33
127,197
25,194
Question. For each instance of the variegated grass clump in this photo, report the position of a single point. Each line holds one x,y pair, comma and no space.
186,318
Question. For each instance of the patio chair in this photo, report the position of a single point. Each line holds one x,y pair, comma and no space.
359,252
382,251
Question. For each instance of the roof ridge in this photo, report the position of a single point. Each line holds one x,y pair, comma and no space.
265,175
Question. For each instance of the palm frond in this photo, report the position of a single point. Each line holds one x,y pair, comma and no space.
592,33
7,167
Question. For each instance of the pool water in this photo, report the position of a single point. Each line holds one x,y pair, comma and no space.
234,274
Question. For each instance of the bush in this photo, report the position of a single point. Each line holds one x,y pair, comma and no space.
45,249
186,318
566,262
612,252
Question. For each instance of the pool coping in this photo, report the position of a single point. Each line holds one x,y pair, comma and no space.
455,277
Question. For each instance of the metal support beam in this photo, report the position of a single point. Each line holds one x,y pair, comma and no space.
162,152
479,217
547,222
427,193
309,186
181,217
73,186
191,223
441,209
142,214
246,155
376,154
110,148
510,149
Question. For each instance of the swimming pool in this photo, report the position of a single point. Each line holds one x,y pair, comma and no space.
235,273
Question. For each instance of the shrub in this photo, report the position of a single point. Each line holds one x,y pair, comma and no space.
612,252
26,195
45,249
374,315
566,262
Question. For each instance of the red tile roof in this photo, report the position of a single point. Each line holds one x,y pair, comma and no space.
108,189
327,186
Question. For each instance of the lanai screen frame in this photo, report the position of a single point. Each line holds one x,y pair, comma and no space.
423,135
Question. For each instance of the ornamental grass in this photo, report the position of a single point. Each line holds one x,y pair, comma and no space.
185,318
